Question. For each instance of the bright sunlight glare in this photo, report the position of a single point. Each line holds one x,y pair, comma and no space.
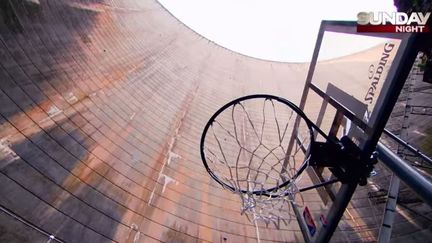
277,30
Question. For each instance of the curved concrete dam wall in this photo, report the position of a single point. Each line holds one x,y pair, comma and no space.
102,107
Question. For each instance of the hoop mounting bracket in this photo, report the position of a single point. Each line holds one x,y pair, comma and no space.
343,159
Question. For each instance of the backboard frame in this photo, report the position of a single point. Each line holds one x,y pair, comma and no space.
394,81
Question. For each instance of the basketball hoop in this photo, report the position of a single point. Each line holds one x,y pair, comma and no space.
257,146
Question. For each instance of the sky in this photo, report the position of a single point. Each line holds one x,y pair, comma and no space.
278,30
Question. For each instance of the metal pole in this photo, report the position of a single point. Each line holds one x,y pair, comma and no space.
337,210
408,146
390,211
406,173
302,224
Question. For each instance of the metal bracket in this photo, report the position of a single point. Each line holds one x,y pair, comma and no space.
344,160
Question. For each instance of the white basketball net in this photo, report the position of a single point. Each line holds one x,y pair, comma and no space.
247,148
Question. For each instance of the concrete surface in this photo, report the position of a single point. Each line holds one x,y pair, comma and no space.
102,107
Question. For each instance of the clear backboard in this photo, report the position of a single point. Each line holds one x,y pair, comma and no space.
353,82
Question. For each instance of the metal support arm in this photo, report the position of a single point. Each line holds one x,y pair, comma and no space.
405,172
